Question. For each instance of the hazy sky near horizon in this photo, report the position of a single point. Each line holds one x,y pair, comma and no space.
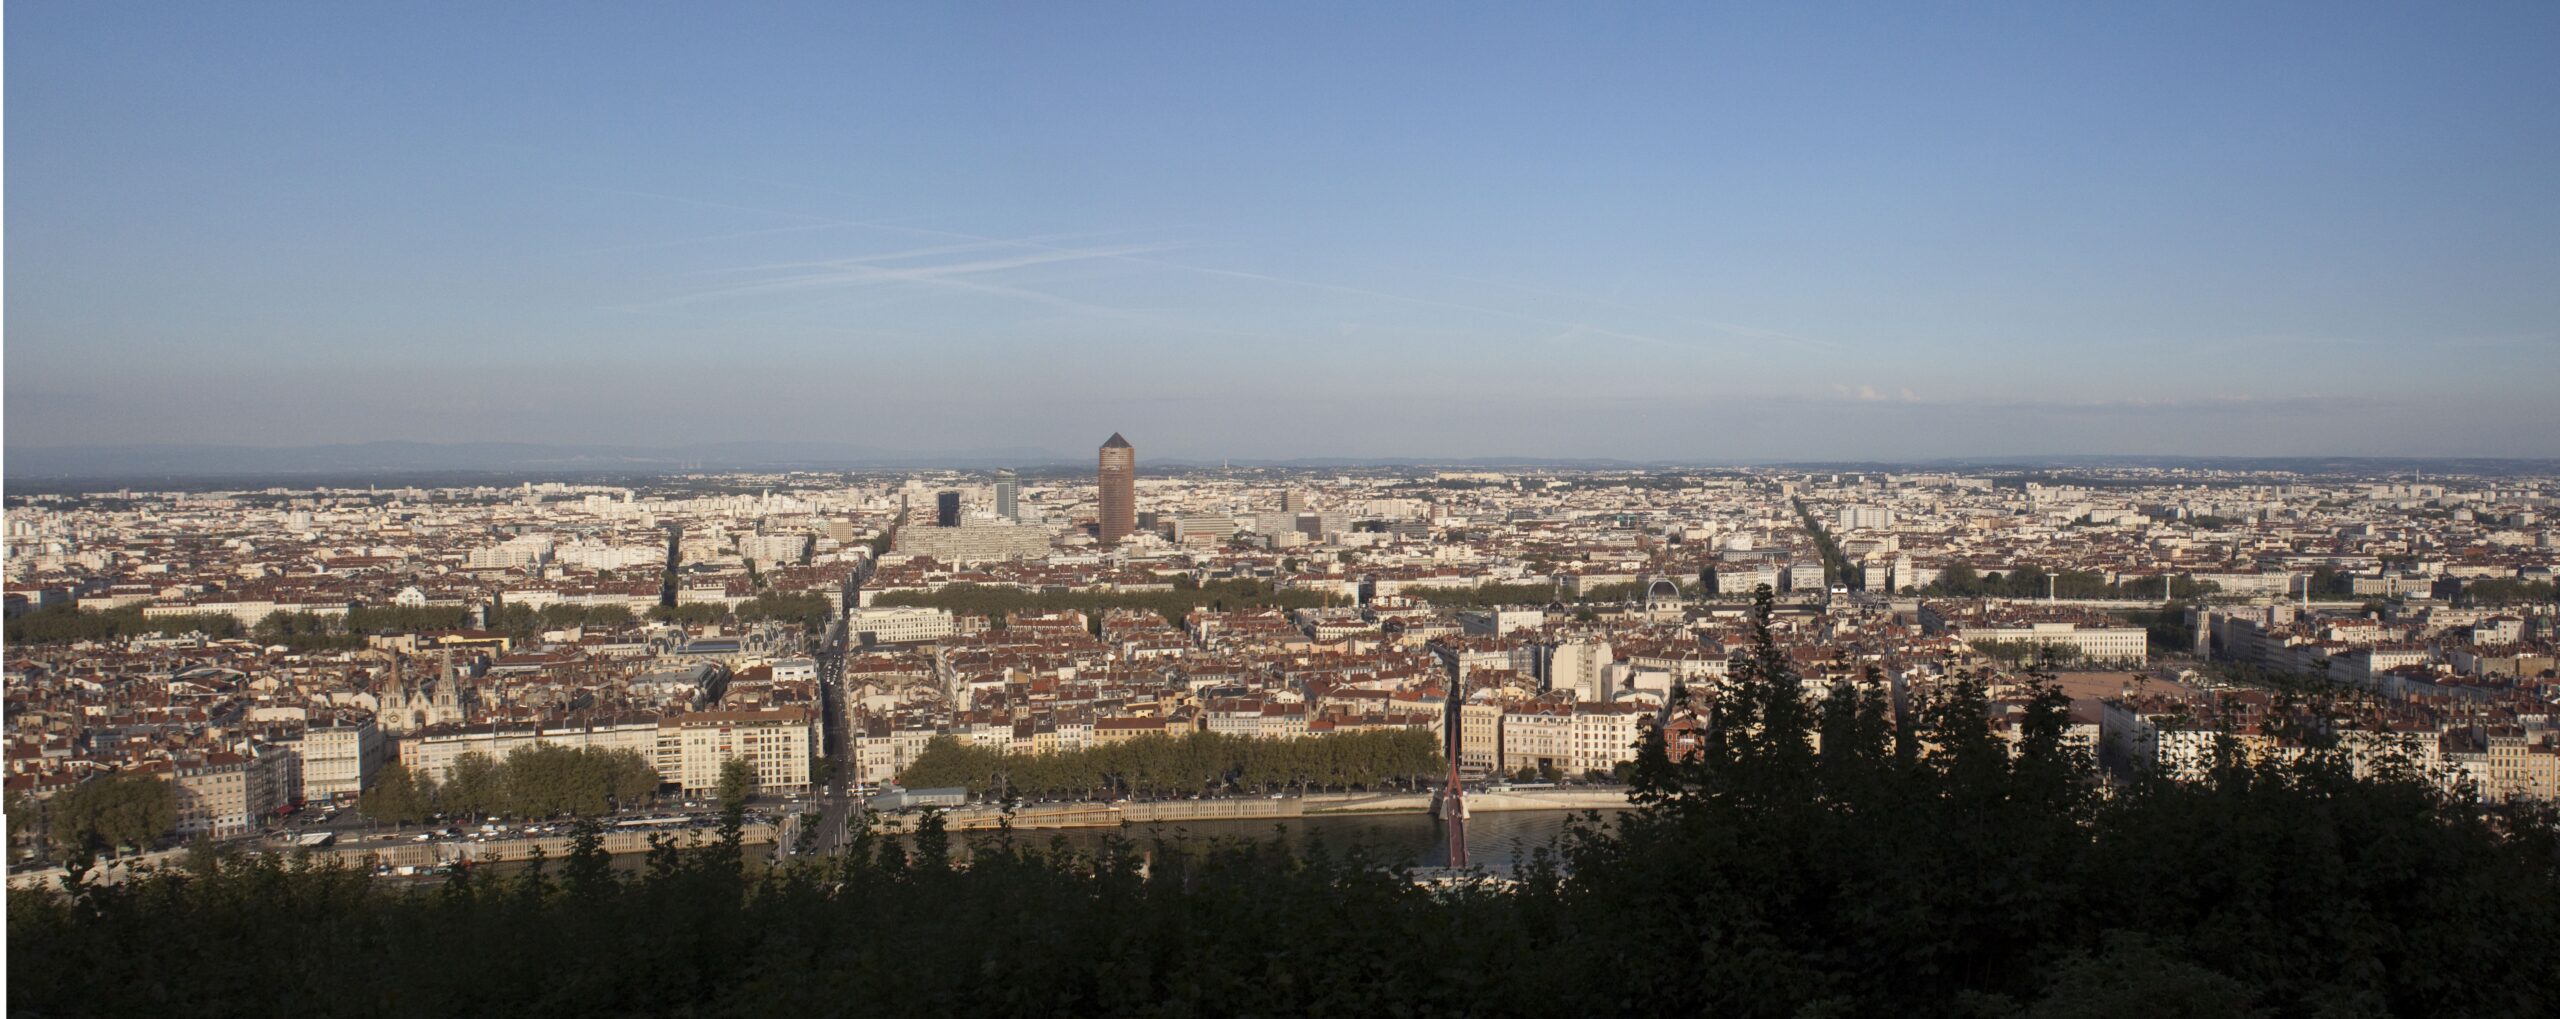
1645,231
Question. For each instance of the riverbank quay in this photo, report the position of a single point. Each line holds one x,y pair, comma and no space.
407,856
1096,814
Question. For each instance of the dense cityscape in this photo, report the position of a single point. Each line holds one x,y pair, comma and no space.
270,655
1953,511
405,685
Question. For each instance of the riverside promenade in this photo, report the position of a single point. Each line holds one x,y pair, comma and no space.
407,855
397,852
1043,816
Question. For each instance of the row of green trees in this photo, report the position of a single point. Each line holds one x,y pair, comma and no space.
2332,582
2028,652
311,631
1490,595
1216,595
107,813
2507,591
1923,857
1204,763
810,609
1912,863
1962,580
1836,568
695,613
2166,628
542,780
63,624
1485,595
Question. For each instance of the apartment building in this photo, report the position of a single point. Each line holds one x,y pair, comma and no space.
222,794
780,743
1603,736
901,625
340,760
1538,736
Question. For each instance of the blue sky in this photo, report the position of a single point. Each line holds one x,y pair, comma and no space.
1651,231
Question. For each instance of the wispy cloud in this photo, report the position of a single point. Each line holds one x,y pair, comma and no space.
860,272
879,269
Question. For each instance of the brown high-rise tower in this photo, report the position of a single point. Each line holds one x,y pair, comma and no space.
1118,477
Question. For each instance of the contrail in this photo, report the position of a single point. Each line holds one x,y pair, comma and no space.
855,272
1137,259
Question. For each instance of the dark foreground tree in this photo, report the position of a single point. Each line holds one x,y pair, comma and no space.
1911,864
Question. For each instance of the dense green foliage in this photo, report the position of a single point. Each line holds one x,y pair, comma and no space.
1485,595
308,631
1199,763
737,781
1961,580
125,809
810,609
1836,568
2507,591
406,618
1906,867
697,613
303,631
2167,628
61,624
543,780
1216,595
312,631
2027,652
1491,595
2331,582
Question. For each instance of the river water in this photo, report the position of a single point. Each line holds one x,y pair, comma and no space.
1498,842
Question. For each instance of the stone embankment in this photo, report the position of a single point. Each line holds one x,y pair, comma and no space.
423,856
443,852
1039,816
401,853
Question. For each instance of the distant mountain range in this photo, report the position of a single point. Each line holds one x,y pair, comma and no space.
142,464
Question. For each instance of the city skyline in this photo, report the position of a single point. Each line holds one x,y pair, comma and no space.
1266,234
1857,509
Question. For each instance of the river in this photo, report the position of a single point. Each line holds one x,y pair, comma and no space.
1498,842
